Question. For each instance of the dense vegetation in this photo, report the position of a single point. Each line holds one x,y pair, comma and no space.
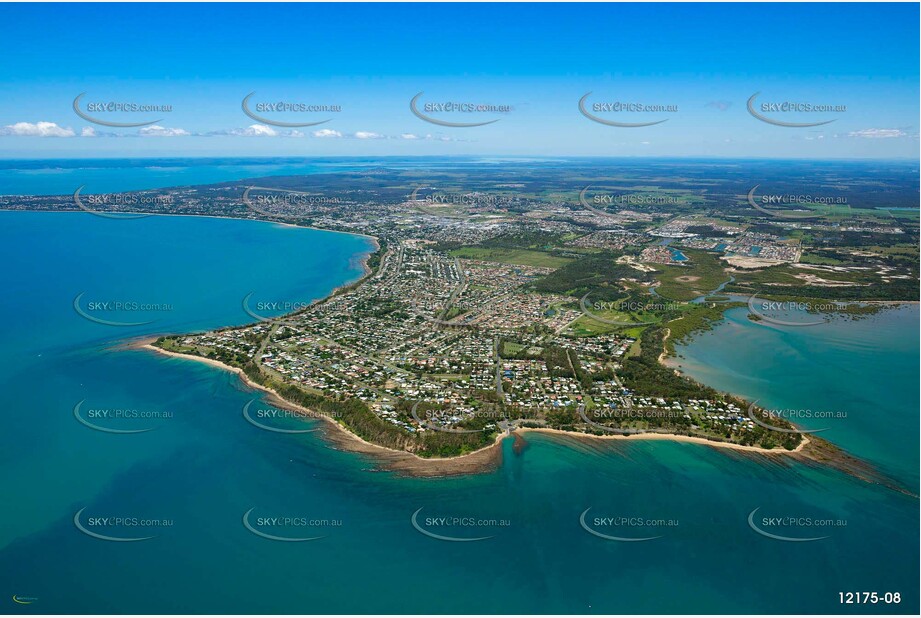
588,273
355,415
644,374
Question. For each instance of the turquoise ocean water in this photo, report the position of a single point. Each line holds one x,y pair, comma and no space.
63,176
203,467
857,374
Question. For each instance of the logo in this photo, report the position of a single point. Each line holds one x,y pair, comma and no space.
589,207
623,107
788,522
775,213
788,106
455,107
110,414
283,198
452,522
440,419
273,413
751,415
283,106
583,305
620,521
24,600
283,307
113,106
280,521
110,521
588,421
785,306
79,202
107,306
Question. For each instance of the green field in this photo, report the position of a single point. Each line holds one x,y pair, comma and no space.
705,268
896,250
896,213
812,258
521,257
587,327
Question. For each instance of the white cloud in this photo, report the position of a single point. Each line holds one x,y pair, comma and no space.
38,129
88,132
428,137
877,133
253,130
368,135
259,130
327,133
158,131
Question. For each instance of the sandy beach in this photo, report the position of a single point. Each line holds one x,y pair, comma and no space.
669,437
483,460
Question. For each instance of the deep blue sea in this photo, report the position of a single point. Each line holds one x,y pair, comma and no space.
189,481
852,379
64,176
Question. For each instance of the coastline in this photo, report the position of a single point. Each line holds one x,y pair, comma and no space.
482,460
816,450
391,460
672,437
663,355
485,459
373,239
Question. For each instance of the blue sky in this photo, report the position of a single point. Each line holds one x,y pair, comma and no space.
537,59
